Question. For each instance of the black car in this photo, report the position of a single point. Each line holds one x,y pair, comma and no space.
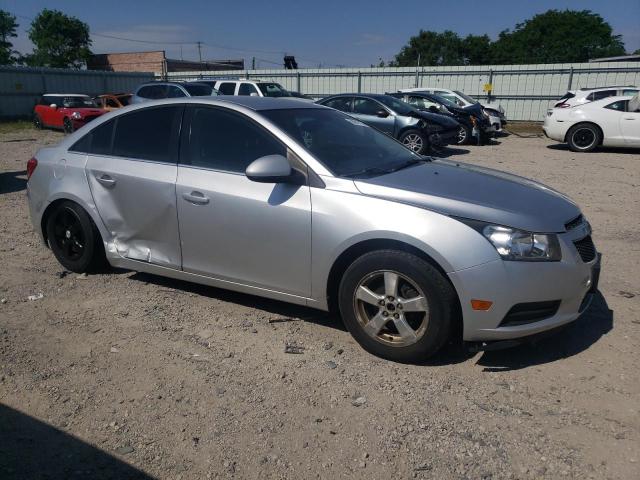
419,131
468,117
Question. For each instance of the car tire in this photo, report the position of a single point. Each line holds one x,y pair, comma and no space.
584,137
381,329
67,125
464,135
37,122
74,239
416,141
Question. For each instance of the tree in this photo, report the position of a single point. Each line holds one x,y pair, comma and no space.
637,52
8,27
557,37
433,48
60,41
477,49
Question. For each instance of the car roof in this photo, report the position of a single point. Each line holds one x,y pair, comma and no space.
606,101
592,89
264,103
64,95
370,95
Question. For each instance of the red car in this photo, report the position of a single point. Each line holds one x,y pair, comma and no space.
65,111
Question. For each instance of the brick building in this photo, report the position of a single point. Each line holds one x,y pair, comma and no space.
156,62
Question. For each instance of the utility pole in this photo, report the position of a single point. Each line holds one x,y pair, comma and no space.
253,63
200,53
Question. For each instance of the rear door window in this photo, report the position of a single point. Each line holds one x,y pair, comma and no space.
620,106
175,92
340,103
148,134
227,88
366,106
97,141
246,89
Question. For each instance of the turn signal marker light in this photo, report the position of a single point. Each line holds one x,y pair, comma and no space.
482,305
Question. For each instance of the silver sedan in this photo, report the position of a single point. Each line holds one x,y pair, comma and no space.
303,203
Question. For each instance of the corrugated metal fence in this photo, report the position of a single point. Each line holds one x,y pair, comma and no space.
525,91
20,87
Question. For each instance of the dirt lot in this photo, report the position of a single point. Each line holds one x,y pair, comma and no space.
125,375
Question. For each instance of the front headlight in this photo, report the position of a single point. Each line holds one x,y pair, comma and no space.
76,115
518,245
513,244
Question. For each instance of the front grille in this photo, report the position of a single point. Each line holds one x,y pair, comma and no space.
574,223
586,249
523,313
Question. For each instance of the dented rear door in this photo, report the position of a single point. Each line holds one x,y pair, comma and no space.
132,170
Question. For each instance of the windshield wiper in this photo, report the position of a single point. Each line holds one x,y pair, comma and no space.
409,163
368,171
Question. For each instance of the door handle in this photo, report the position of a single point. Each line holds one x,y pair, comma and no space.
106,180
196,198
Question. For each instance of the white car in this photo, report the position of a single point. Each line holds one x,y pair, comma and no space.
252,88
495,111
611,122
586,95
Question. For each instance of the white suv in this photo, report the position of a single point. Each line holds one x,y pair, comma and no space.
253,88
494,110
586,95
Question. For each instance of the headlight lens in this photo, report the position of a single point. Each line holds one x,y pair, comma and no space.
76,115
514,244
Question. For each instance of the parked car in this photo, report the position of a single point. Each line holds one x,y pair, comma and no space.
302,203
611,122
112,101
419,131
468,118
252,88
301,96
160,90
65,111
493,109
585,95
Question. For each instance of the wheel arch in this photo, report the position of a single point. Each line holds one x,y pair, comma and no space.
584,122
57,201
350,254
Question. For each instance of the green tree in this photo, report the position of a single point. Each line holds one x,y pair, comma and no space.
60,41
556,37
477,49
8,27
637,52
433,48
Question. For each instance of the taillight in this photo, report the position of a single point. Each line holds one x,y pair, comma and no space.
31,167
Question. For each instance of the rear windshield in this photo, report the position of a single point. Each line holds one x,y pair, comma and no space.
466,97
273,90
198,90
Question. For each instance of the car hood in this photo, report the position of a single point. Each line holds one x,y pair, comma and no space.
477,193
475,110
444,120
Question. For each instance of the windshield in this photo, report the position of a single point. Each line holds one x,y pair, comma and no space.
346,146
466,97
398,106
273,90
198,90
78,102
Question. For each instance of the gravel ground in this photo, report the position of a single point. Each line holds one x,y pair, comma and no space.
127,375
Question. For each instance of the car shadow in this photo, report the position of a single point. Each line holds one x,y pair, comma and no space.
446,152
285,312
31,449
11,182
575,338
623,150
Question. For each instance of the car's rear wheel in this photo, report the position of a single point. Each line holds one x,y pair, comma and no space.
584,137
397,305
74,238
67,125
37,121
464,135
415,140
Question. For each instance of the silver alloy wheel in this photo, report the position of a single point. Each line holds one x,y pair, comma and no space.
391,308
584,138
462,135
414,142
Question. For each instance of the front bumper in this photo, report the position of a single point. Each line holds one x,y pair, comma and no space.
570,281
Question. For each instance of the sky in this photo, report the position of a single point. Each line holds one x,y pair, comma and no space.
329,33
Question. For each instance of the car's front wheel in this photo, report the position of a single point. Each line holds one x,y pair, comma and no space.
37,122
416,141
67,125
74,238
584,137
397,305
464,135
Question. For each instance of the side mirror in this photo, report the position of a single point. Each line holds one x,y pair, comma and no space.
270,169
53,105
382,114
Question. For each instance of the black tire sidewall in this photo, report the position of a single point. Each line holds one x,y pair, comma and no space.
596,133
37,122
437,289
422,135
67,125
88,260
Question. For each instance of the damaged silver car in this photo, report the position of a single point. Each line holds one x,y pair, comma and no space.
305,204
